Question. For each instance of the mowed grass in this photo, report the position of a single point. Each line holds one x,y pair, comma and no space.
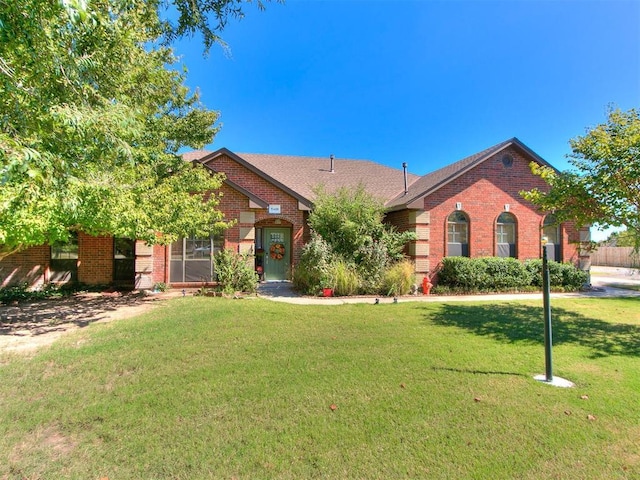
216,388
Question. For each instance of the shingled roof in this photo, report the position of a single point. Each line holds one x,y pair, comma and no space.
300,175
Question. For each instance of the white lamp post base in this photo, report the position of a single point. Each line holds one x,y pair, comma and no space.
555,381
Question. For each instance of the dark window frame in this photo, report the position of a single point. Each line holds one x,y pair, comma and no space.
192,261
458,228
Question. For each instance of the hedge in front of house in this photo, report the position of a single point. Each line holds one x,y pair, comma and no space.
560,274
502,274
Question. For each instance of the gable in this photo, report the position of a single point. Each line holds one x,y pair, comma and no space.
261,191
488,184
432,182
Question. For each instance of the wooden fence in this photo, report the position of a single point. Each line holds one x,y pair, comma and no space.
615,257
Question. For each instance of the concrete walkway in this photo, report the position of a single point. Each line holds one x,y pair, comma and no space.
601,280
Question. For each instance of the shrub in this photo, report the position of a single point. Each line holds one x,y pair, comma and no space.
534,267
496,273
346,280
463,273
23,292
312,272
235,272
398,279
350,221
505,273
560,274
160,287
573,278
371,260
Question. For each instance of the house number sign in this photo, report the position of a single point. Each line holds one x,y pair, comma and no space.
274,209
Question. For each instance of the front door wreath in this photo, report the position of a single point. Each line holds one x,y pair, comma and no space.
277,251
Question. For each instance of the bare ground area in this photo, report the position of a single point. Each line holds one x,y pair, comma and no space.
25,327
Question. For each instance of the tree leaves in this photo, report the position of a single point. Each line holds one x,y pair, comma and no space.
93,114
604,187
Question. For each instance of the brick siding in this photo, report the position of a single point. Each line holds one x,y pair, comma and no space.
483,192
233,202
30,265
95,259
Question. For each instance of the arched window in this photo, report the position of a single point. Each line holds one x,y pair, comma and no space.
551,230
457,235
506,235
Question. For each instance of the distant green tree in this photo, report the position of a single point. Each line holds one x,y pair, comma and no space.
604,188
93,113
620,239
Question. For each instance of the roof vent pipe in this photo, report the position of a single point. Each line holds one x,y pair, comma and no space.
404,169
331,157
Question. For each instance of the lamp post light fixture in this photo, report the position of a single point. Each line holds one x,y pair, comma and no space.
546,301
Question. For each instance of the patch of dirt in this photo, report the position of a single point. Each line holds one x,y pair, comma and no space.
25,327
45,444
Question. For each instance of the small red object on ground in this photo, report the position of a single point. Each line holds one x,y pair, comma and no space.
426,285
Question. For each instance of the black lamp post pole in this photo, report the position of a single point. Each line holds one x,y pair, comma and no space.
546,293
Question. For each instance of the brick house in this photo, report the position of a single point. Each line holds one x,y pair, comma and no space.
471,208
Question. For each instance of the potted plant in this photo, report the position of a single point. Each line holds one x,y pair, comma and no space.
327,283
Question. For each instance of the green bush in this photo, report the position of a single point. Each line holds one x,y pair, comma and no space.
462,273
160,287
312,273
504,273
350,223
501,274
398,278
23,292
346,280
560,274
573,278
234,272
372,260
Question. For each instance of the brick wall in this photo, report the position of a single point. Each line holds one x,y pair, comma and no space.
95,263
160,264
95,259
232,203
30,265
483,192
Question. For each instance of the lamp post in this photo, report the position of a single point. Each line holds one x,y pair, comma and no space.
546,294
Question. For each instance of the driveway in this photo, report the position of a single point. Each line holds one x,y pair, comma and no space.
615,276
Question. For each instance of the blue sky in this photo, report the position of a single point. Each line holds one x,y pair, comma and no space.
426,82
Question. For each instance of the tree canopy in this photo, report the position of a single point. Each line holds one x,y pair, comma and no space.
93,113
604,186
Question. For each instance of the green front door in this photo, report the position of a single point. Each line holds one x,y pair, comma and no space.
277,253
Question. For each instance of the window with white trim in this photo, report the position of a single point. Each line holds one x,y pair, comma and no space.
458,235
506,232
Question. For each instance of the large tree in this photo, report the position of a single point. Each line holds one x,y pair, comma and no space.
604,187
93,113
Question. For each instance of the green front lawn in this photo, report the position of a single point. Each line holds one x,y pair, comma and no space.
217,388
